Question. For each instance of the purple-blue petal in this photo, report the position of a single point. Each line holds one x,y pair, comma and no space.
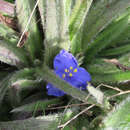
82,75
80,78
53,91
65,66
59,73
64,60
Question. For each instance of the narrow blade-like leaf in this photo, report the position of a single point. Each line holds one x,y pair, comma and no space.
12,55
28,124
40,105
119,118
77,20
55,23
100,15
107,37
34,43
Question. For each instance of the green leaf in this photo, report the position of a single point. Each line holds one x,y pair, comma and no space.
13,93
49,122
55,23
12,55
29,124
99,66
3,74
115,78
117,99
100,15
124,59
8,34
50,53
4,84
34,43
113,31
7,8
119,118
25,84
9,53
108,73
99,95
40,105
21,89
69,5
27,73
12,1
78,15
81,123
116,51
76,23
34,97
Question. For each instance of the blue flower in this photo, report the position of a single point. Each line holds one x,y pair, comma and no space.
66,67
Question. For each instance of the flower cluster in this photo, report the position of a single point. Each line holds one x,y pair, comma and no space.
66,67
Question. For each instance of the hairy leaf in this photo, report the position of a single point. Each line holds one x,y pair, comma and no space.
4,84
9,53
119,118
34,43
13,93
32,123
78,15
76,23
12,55
116,78
22,88
109,73
105,38
100,15
54,22
40,105
116,51
8,34
6,7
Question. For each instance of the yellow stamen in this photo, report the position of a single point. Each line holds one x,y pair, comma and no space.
70,74
63,75
71,67
75,70
66,70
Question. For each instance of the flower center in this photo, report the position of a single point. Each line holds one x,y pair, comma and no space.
69,72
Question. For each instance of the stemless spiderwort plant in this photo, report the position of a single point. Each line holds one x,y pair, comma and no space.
66,67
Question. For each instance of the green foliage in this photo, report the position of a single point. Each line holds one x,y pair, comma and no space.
33,124
12,1
77,19
106,37
92,30
11,55
34,44
4,87
119,118
36,106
